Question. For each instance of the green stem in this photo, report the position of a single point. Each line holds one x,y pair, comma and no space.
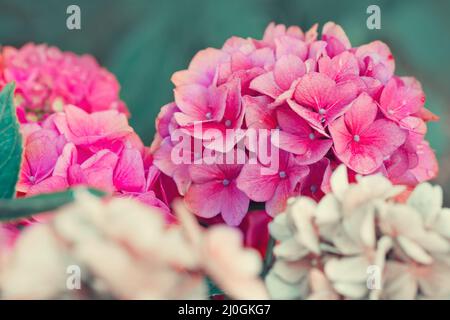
268,259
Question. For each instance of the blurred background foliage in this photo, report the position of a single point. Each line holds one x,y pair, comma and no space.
144,41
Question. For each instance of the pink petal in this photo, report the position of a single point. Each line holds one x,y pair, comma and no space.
82,128
362,113
385,135
380,59
267,85
316,150
205,199
129,172
234,205
233,110
257,115
192,100
315,90
202,173
251,176
68,158
333,30
313,118
163,121
40,156
278,201
49,185
290,122
201,69
340,134
288,69
98,170
286,45
428,166
339,66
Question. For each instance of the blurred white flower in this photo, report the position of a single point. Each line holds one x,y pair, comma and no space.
126,251
324,250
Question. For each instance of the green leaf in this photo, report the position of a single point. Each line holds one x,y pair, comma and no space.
10,143
269,258
213,289
13,209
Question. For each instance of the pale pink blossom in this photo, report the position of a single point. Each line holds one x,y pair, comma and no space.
128,256
329,249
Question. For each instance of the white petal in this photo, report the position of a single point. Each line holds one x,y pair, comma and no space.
321,288
344,243
367,231
352,269
328,210
351,290
442,224
436,282
278,289
433,242
383,246
339,181
398,284
279,228
414,251
427,200
291,272
302,212
290,250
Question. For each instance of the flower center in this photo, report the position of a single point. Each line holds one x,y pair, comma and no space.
32,179
225,182
282,174
208,115
313,188
197,155
312,136
227,123
356,138
322,111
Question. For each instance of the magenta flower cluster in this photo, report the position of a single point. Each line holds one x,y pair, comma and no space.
47,79
332,103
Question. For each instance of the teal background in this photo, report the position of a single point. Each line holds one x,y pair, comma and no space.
144,42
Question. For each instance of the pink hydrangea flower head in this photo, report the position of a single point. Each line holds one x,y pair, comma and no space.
47,79
99,150
323,101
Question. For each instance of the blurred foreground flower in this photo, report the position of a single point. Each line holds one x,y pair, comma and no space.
47,79
356,243
125,251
